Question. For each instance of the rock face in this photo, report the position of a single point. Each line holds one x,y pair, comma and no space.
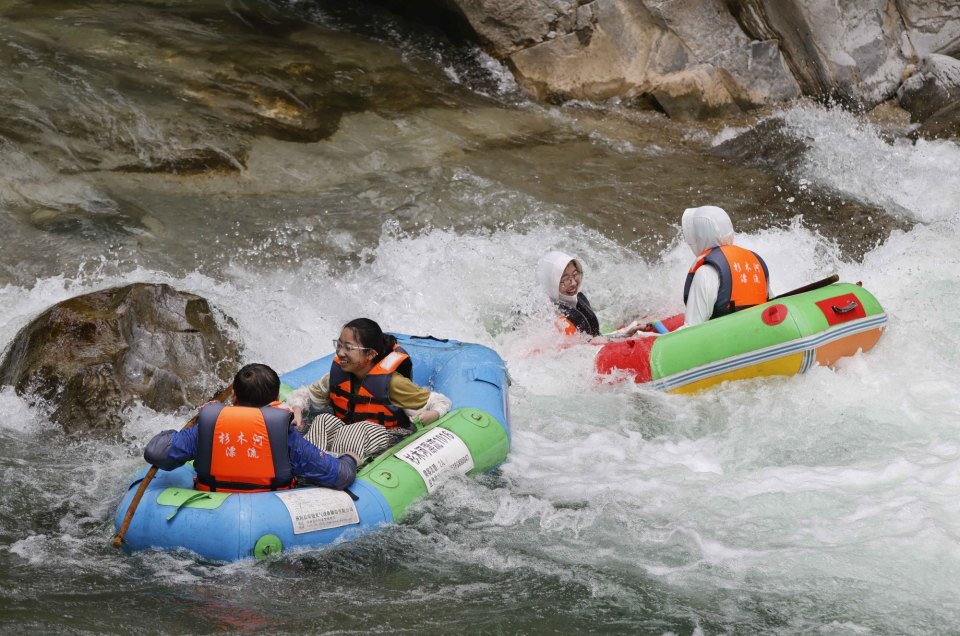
933,25
703,58
852,51
934,85
945,123
689,58
92,356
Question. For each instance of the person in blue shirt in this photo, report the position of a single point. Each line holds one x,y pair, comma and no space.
251,445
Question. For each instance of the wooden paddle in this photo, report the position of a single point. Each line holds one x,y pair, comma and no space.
223,396
829,280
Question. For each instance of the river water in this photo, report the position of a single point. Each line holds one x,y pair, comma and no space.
300,164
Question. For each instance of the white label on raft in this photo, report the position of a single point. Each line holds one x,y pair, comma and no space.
313,509
436,456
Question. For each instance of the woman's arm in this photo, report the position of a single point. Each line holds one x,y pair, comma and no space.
312,398
418,403
436,407
702,297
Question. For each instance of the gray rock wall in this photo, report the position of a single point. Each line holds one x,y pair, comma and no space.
705,58
933,26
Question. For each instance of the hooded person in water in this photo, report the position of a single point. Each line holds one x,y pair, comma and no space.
561,275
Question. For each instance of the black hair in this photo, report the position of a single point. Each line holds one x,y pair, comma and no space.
256,385
370,335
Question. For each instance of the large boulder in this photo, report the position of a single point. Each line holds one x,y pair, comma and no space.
933,86
92,356
689,58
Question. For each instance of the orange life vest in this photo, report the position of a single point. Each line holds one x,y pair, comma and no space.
743,278
370,400
243,449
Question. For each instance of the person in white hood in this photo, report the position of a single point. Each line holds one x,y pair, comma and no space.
735,278
561,276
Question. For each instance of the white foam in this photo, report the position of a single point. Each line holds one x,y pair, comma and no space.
846,474
919,181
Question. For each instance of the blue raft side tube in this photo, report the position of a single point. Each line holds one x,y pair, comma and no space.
239,521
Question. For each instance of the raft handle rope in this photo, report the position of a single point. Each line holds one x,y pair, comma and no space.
846,309
188,500
430,338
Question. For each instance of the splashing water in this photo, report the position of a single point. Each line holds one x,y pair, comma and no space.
822,503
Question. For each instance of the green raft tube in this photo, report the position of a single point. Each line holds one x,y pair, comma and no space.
785,336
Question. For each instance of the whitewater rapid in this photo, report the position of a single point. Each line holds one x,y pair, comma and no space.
822,503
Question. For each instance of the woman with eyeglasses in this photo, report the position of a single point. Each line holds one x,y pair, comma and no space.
561,276
367,402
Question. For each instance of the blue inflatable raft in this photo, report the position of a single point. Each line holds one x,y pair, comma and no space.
474,437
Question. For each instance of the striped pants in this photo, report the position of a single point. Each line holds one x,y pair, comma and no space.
365,439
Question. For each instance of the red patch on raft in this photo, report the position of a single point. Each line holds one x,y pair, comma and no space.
774,314
841,308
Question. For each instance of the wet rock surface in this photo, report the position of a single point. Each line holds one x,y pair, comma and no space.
193,135
934,86
695,59
932,97
943,124
92,356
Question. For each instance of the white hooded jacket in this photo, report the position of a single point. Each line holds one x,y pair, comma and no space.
549,273
704,228
576,308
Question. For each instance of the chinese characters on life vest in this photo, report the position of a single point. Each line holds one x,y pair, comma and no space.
241,444
747,271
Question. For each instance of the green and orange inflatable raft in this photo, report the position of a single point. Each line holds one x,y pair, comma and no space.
785,336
